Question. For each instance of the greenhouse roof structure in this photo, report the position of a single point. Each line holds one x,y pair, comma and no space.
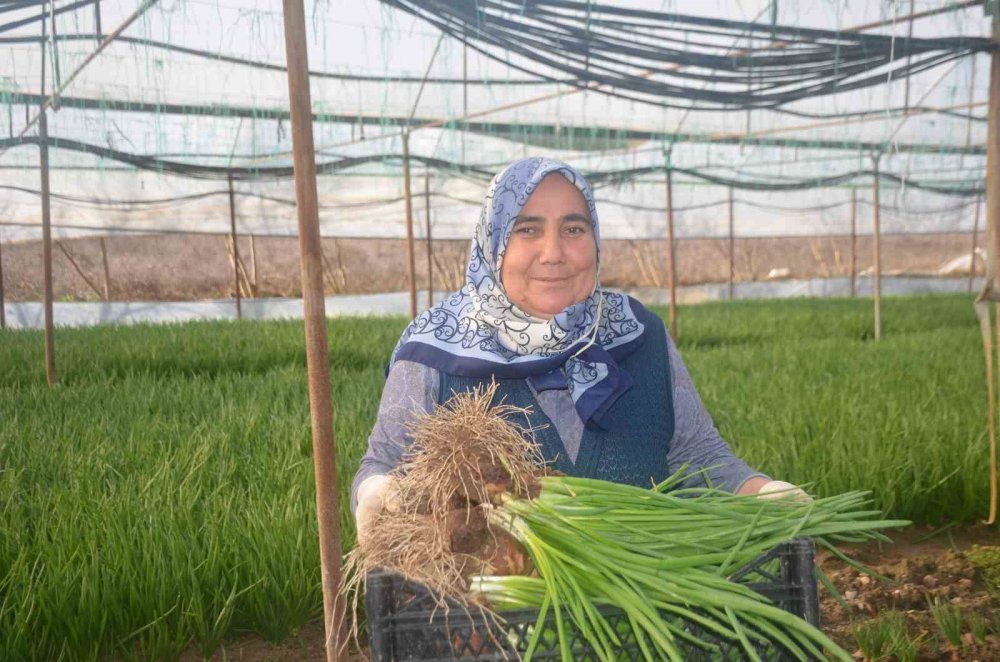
791,105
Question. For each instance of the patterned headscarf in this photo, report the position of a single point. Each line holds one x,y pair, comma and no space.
478,331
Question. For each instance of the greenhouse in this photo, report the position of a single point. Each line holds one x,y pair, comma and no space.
804,193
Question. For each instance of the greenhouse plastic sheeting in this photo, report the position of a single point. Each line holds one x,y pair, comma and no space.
199,84
29,315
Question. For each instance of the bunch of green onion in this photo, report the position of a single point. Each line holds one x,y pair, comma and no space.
663,556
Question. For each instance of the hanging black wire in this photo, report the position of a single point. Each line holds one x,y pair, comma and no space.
132,204
248,173
267,66
550,135
597,178
444,80
649,56
44,15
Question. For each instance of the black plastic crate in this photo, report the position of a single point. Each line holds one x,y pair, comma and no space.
403,623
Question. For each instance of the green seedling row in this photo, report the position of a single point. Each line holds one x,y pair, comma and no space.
161,496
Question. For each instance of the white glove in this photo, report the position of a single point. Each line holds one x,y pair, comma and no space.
375,493
779,489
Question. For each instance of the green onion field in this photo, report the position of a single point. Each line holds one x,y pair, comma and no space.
162,494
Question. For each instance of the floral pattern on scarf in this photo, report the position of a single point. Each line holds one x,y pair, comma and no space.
478,331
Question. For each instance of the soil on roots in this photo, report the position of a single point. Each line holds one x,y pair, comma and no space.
438,531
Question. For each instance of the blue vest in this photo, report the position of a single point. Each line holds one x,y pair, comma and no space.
632,447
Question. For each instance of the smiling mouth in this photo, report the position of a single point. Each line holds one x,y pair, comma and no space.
552,280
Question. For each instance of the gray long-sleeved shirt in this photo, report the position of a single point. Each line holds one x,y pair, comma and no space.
412,388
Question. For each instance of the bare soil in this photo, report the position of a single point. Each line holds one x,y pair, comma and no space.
187,267
306,645
921,567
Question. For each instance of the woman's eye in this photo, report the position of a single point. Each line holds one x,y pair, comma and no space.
576,230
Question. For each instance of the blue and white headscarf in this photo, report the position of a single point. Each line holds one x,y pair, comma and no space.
478,331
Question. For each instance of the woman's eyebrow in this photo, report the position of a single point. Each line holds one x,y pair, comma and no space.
520,218
572,217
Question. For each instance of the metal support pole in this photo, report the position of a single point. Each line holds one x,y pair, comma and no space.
854,242
671,253
97,16
732,247
427,219
236,248
317,354
410,259
975,240
876,248
107,270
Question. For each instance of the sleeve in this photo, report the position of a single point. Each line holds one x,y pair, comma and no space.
410,389
696,441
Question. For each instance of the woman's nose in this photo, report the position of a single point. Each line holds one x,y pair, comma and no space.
552,248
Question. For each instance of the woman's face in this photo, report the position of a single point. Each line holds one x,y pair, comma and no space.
551,257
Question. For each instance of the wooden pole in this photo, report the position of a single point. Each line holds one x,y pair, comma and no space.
317,355
253,265
876,249
465,94
972,99
671,253
236,248
430,256
50,339
410,258
993,232
993,144
854,242
54,45
975,239
51,101
732,247
43,155
107,270
909,58
3,312
78,269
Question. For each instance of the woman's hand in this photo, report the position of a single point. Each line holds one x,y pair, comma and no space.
779,489
375,493
765,488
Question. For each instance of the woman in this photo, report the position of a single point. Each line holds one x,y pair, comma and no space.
609,394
